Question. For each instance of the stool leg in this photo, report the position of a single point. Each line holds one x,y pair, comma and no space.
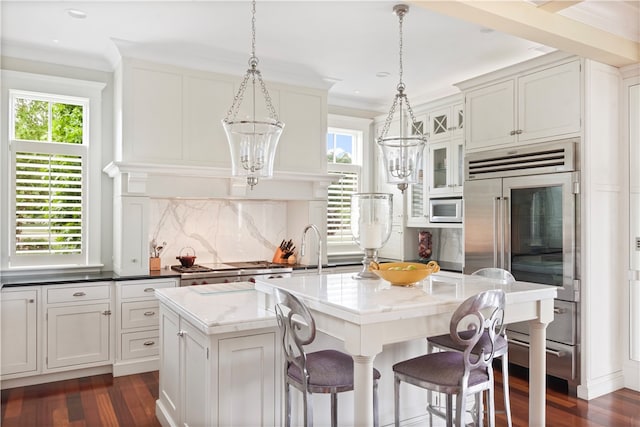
505,383
308,409
287,403
449,410
396,400
376,421
334,410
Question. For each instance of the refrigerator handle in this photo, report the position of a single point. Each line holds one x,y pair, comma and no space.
506,231
497,238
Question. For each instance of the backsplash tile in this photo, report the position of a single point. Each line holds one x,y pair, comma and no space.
218,230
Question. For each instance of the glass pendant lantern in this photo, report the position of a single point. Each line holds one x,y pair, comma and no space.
402,154
252,140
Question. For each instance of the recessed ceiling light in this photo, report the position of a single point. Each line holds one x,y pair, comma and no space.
357,92
56,41
383,74
76,13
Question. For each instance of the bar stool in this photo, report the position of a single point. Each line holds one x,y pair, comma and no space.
459,373
444,342
324,371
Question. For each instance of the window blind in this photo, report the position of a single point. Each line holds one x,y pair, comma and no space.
339,207
48,203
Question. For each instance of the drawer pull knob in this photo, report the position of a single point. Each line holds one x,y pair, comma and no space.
147,343
107,312
148,289
149,313
181,333
79,294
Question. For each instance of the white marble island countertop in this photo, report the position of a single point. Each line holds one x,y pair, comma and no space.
219,308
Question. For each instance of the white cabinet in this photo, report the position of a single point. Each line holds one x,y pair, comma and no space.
446,122
78,325
531,107
130,235
218,379
137,325
446,168
19,331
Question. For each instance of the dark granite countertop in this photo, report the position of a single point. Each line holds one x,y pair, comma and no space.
30,279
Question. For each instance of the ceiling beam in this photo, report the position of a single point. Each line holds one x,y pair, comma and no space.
554,6
525,20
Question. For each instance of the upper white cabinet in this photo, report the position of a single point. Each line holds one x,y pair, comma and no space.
446,161
530,107
171,115
19,320
446,122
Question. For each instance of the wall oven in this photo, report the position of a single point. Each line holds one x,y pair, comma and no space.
521,210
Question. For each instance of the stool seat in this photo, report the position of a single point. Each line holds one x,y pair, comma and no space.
445,342
328,368
441,371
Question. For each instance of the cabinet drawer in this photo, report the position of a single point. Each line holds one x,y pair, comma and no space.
140,344
79,293
140,314
142,290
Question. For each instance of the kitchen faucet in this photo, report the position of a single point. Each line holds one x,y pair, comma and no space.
304,233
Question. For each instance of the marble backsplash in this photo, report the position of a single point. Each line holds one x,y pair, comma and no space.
217,230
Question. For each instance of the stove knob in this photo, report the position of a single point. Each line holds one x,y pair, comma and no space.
252,280
204,282
226,280
194,283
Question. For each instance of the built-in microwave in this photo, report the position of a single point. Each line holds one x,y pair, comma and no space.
445,210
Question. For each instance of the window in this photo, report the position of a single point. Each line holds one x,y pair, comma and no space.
344,159
49,151
50,159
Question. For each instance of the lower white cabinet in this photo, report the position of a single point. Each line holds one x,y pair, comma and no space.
78,325
217,379
18,331
137,325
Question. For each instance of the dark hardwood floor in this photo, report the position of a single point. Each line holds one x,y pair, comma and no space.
130,401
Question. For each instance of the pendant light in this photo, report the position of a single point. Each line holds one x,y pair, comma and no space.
252,141
402,154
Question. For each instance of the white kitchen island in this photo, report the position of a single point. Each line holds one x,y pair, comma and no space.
370,314
221,361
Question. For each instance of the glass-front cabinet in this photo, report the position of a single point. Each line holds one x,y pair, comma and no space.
446,122
446,168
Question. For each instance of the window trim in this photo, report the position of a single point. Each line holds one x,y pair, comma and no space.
59,88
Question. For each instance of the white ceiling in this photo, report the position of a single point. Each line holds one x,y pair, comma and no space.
340,45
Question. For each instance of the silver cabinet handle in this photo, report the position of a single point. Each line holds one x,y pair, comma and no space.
79,294
555,353
107,312
557,310
31,301
134,260
148,343
149,289
149,313
513,132
181,333
519,132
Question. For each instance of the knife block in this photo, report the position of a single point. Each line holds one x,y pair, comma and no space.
154,264
278,257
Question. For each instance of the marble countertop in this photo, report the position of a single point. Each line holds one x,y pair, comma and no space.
219,308
30,279
370,301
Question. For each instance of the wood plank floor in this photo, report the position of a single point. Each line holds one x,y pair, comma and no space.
130,401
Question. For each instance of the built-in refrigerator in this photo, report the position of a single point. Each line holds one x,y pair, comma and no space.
521,214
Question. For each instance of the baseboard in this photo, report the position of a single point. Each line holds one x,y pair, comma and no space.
601,386
57,376
163,417
136,367
632,375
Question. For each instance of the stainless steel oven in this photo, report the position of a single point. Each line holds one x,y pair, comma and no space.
521,211
204,274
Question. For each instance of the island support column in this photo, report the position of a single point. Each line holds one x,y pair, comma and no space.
363,390
538,363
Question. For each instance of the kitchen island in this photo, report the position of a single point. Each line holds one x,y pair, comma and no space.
221,349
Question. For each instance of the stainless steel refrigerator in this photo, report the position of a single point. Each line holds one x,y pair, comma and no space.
521,214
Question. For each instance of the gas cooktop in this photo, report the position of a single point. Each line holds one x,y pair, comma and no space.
240,265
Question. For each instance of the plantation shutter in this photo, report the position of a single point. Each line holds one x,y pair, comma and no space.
339,207
48,203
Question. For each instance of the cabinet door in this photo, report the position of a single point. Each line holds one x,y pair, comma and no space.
457,120
18,333
77,335
456,166
169,394
439,171
440,124
549,102
131,238
247,370
194,368
490,115
417,198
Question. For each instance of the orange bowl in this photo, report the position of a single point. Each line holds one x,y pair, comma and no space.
404,273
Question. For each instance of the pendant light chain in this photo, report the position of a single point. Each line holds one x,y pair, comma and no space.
254,73
401,97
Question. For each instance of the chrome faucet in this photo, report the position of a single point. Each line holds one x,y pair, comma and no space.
302,247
